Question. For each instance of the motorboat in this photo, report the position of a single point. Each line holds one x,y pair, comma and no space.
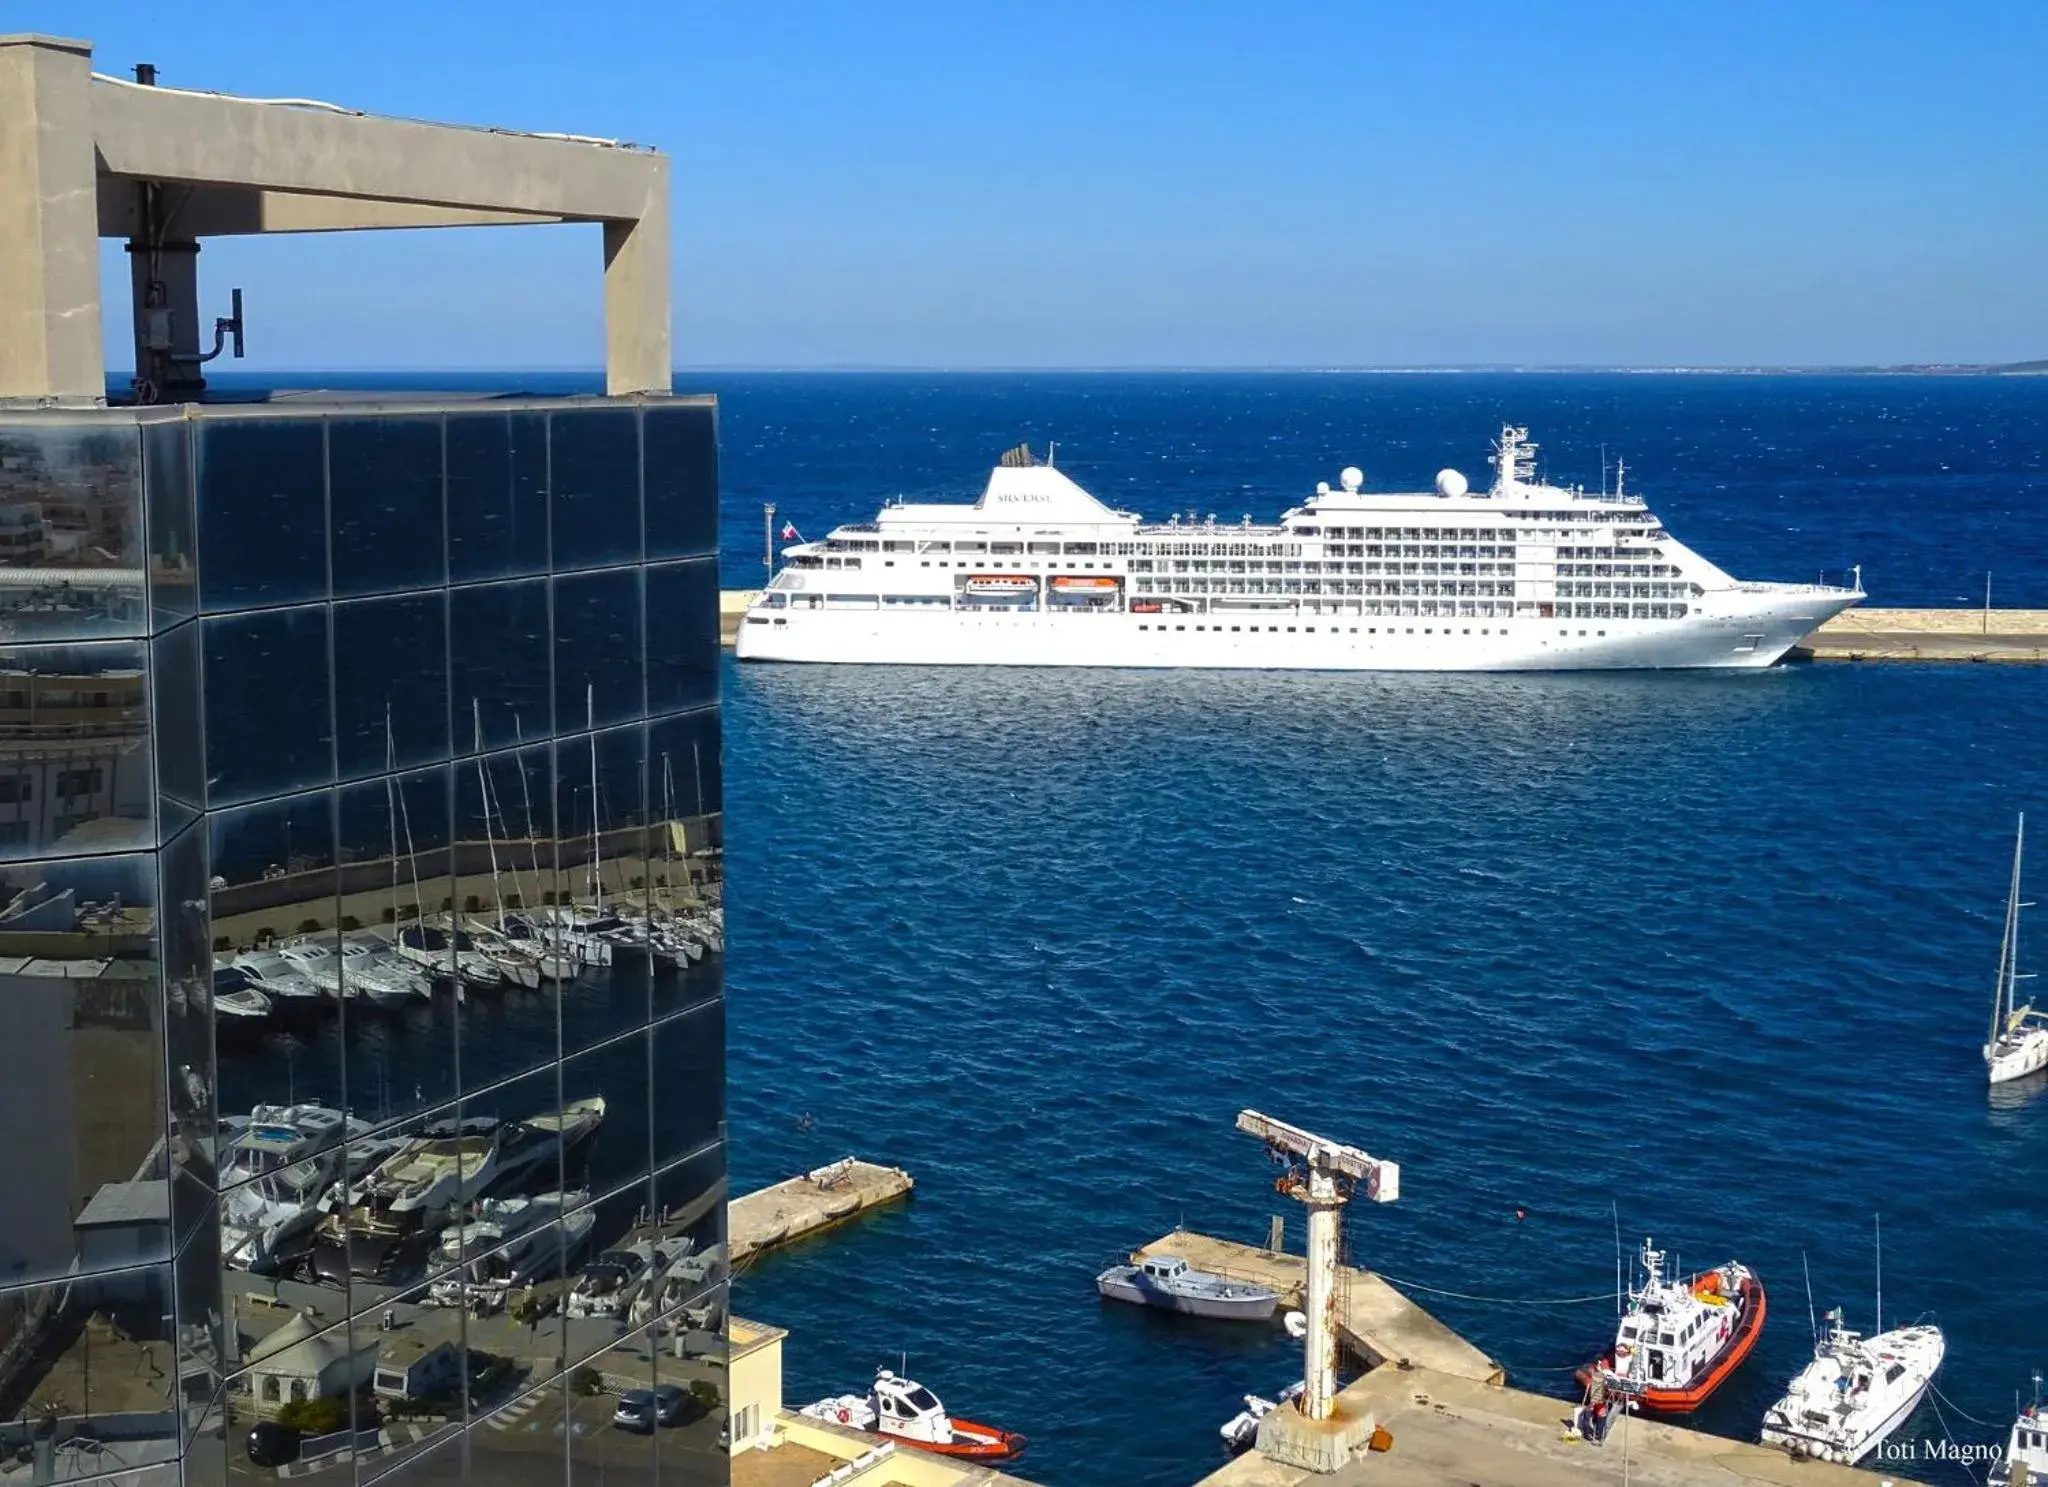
1241,1431
2026,1448
509,1242
237,1002
1855,1392
433,951
374,1223
262,1220
384,978
1166,1282
611,1282
2018,1045
1679,1340
516,961
273,1137
278,977
904,1410
682,1273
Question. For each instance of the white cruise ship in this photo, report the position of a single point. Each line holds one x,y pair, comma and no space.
1525,576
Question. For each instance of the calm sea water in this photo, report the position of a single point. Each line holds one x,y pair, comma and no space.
1712,953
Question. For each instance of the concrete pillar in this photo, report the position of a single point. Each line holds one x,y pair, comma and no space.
1319,1376
166,309
49,224
637,355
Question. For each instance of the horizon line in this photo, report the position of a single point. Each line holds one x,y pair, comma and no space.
1673,369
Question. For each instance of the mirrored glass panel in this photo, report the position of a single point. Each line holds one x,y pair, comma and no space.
74,751
686,854
396,953
390,683
619,1157
497,495
201,1319
262,511
384,499
600,914
594,473
281,1094
174,695
269,725
681,458
71,547
173,525
504,887
94,1376
682,636
190,992
598,668
378,1237
689,1082
82,1016
500,653
603,1453
303,1369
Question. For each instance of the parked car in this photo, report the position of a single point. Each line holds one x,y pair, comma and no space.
670,1404
636,1410
272,1444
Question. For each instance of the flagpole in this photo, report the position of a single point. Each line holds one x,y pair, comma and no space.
768,539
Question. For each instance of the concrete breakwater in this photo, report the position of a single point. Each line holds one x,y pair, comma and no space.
1858,635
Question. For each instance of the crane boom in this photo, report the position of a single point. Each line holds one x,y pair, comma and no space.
1381,1180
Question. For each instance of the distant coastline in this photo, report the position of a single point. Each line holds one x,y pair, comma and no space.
293,377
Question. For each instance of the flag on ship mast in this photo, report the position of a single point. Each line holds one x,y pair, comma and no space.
790,533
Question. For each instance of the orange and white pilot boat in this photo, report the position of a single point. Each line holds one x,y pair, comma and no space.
1680,1339
904,1410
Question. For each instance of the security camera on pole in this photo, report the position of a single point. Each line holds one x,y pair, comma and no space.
1314,1432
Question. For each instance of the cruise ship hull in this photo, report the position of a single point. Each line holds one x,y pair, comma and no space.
1745,629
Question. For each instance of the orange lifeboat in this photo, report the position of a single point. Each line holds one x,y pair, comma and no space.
1068,583
1681,1339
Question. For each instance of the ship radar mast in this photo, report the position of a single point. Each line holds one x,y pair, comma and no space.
1514,461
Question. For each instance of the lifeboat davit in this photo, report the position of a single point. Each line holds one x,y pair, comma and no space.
1068,583
1003,585
1681,1339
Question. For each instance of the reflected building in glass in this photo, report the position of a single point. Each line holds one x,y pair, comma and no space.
361,942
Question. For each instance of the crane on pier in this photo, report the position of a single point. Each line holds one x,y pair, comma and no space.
1324,1175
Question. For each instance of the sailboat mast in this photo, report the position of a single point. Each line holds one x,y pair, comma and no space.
391,811
1877,1225
596,860
483,782
2008,949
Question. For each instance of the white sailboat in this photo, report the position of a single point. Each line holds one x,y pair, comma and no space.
2018,1045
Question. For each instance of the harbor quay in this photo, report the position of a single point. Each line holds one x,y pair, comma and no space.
810,1204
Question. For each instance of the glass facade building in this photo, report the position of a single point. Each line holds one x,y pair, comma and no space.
361,942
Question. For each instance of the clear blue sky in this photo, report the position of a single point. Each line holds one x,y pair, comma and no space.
1104,184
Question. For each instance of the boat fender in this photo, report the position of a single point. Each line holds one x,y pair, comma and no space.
845,1414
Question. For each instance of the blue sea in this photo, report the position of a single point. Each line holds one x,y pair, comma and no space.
1706,958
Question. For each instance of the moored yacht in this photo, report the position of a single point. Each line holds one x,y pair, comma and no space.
1679,1340
1855,1392
511,1241
2018,1045
1524,576
611,1282
1165,1281
374,1224
238,1003
381,974
270,972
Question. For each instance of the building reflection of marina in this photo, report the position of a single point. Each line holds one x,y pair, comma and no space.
219,749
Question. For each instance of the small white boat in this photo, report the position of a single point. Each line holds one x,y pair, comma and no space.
1855,1392
1241,1431
1001,586
236,1000
278,978
2018,1045
2027,1447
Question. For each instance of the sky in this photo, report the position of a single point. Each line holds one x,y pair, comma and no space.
1055,184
